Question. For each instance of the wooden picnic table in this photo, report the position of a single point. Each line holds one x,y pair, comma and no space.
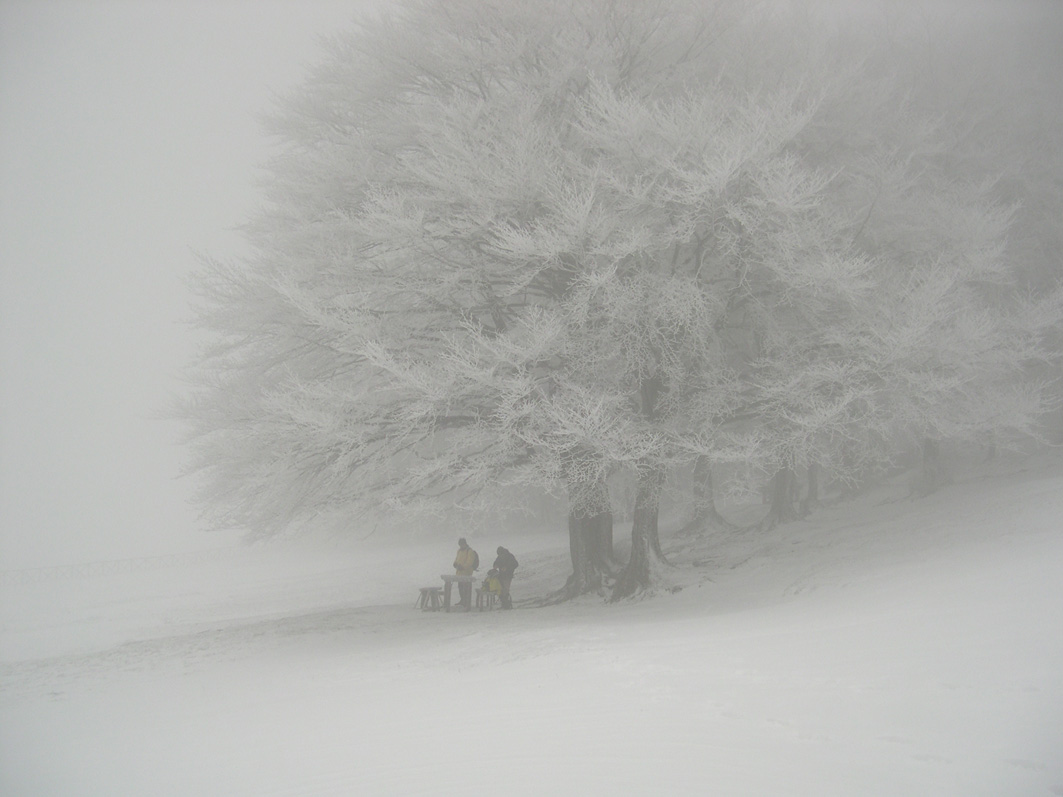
448,582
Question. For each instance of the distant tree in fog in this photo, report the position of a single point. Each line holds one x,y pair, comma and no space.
540,244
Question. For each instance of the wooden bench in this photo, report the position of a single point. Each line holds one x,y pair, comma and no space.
431,599
485,599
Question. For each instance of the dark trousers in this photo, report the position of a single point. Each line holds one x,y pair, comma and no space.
505,579
465,594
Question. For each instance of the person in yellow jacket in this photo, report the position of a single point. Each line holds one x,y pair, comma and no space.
465,563
492,584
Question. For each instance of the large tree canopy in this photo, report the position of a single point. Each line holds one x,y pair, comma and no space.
531,245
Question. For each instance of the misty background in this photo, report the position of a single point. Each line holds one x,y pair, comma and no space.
129,141
887,645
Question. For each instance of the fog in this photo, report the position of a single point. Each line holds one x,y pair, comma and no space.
128,141
887,646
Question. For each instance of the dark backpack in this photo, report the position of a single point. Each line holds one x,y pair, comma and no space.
475,561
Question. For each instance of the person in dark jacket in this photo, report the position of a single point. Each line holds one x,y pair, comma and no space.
505,564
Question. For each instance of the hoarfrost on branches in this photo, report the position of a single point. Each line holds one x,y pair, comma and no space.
539,247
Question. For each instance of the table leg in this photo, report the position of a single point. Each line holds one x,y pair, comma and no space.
446,595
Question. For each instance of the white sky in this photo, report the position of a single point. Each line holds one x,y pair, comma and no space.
128,140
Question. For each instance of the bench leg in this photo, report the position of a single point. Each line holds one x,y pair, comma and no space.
430,599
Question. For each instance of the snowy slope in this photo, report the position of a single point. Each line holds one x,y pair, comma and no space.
886,646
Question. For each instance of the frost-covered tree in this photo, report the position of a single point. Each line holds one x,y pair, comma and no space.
513,246
886,306
416,153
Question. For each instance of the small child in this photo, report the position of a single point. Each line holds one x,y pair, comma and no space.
492,584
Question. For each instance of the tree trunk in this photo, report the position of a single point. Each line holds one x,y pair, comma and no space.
782,499
646,554
602,531
583,541
590,532
586,546
590,541
705,512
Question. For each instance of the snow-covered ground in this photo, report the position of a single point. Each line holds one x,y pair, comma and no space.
886,646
